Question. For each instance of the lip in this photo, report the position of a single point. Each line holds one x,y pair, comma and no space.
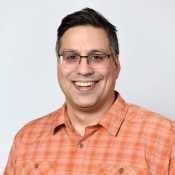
84,84
89,85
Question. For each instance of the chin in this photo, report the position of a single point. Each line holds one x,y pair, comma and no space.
83,104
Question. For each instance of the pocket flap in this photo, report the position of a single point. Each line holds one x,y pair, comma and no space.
36,168
121,170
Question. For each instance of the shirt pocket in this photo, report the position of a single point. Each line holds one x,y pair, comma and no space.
121,170
35,168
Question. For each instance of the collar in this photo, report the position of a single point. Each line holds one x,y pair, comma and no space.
111,121
59,119
115,116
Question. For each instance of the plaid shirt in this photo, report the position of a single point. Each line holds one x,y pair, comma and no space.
128,140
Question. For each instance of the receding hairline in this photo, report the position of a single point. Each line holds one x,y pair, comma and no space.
86,25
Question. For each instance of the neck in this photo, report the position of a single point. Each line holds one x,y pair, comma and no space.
81,118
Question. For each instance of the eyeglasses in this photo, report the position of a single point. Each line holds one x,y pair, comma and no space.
94,60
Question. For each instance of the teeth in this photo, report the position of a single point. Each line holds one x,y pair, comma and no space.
84,84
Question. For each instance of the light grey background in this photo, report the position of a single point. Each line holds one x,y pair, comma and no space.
28,82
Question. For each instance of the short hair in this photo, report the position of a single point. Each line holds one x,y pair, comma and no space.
91,17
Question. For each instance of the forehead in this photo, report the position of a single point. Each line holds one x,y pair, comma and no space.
85,38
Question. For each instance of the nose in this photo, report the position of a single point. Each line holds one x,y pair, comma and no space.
83,67
84,57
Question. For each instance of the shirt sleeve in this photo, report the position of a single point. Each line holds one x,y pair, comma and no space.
172,154
169,166
10,167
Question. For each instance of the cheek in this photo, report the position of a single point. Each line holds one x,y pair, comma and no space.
61,80
110,75
63,74
113,70
60,75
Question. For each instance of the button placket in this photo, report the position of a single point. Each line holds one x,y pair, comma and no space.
36,165
121,170
81,145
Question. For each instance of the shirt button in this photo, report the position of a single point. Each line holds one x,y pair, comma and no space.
36,165
121,170
81,145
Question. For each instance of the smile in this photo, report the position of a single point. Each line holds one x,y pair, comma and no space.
84,84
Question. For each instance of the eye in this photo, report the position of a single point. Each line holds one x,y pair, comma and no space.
97,57
71,57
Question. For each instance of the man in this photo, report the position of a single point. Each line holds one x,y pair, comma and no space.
95,131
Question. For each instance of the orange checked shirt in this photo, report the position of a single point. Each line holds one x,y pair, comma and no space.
128,140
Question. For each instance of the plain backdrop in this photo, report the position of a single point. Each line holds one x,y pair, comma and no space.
28,81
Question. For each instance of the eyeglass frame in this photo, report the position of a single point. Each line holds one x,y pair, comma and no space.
80,56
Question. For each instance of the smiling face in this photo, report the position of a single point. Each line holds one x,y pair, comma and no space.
85,87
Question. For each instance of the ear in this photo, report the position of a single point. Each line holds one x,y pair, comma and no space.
58,59
117,65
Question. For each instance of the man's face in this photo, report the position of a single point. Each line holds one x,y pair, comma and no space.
85,87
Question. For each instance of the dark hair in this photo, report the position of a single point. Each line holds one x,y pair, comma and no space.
88,16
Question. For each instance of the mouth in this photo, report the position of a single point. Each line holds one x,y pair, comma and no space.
84,84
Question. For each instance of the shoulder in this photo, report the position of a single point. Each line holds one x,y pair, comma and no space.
42,122
150,120
38,127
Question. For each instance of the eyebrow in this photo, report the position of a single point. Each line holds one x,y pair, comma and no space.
69,50
90,51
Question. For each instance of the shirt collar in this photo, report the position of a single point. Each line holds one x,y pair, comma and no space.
115,115
111,121
58,118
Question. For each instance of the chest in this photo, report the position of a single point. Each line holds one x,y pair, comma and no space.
98,152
